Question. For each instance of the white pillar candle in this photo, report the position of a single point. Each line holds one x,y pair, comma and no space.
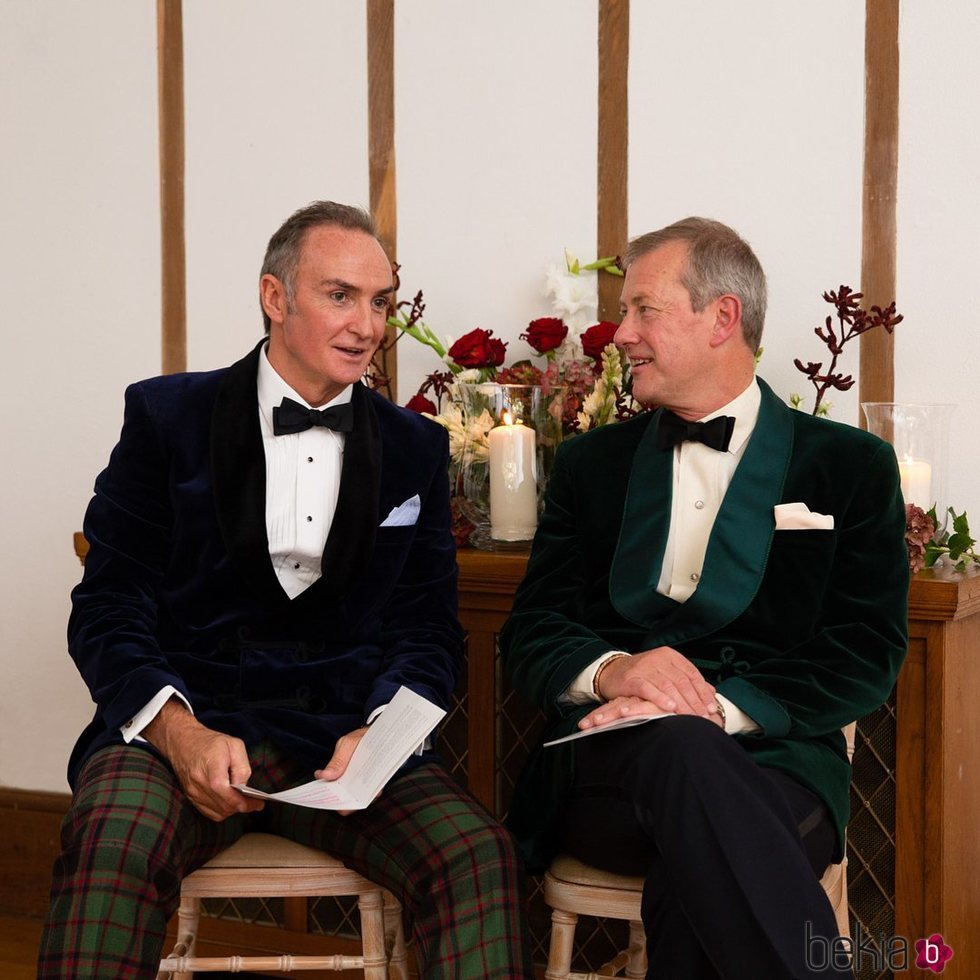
513,482
916,478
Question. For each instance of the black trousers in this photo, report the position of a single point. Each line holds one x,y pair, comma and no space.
732,852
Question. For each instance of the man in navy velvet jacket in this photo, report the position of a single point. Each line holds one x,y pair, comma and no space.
271,559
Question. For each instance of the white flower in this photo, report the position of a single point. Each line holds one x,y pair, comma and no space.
595,400
469,376
467,440
574,298
451,419
477,447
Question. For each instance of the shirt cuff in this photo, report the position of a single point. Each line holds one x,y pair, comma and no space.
737,722
131,730
582,689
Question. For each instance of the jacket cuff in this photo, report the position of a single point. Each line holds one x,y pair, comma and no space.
764,710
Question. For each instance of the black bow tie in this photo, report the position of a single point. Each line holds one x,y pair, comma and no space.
292,417
716,433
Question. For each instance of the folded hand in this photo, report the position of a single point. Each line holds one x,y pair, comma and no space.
662,678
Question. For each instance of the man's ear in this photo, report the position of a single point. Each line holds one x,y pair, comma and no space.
272,293
728,319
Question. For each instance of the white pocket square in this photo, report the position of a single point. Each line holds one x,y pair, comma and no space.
404,514
799,517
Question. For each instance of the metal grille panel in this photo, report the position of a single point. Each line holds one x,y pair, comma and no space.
254,911
334,916
871,835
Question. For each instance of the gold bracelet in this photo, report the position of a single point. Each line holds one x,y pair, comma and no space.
721,711
598,674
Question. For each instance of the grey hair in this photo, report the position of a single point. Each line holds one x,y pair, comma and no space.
284,248
719,261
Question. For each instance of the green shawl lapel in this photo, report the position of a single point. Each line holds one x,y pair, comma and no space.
737,549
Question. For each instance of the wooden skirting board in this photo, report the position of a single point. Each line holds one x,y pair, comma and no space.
30,823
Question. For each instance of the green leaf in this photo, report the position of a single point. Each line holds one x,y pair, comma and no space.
958,543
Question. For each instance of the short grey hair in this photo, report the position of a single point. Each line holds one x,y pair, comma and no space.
719,261
284,248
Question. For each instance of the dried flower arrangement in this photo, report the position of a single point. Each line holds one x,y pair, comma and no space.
853,320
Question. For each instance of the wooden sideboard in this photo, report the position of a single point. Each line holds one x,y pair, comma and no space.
937,866
931,830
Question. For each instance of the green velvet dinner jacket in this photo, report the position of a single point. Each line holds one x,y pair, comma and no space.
804,630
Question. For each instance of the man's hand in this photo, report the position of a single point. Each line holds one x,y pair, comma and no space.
655,681
341,757
206,762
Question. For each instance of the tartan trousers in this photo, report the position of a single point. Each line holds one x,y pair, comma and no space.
131,835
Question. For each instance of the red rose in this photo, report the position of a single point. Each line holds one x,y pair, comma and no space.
419,403
478,349
545,334
597,338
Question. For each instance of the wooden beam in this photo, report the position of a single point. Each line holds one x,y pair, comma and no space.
878,280
381,144
170,83
613,142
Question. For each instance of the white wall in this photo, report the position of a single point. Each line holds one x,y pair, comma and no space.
495,109
751,113
936,357
79,260
275,101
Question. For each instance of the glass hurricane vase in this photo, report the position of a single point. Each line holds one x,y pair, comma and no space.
500,466
920,436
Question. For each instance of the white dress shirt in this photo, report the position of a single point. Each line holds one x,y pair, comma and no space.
302,472
700,479
302,480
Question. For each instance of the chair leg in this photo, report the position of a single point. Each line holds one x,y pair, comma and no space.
188,922
395,938
371,906
562,940
842,911
636,965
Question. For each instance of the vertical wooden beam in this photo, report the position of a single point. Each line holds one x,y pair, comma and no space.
613,141
170,85
381,141
878,281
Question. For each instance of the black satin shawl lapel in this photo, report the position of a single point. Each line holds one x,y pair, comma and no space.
238,475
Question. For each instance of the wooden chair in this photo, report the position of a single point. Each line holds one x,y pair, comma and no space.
264,866
572,888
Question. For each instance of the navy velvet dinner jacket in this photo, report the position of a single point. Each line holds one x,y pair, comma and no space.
179,587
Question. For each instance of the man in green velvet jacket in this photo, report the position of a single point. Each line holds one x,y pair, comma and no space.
735,563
